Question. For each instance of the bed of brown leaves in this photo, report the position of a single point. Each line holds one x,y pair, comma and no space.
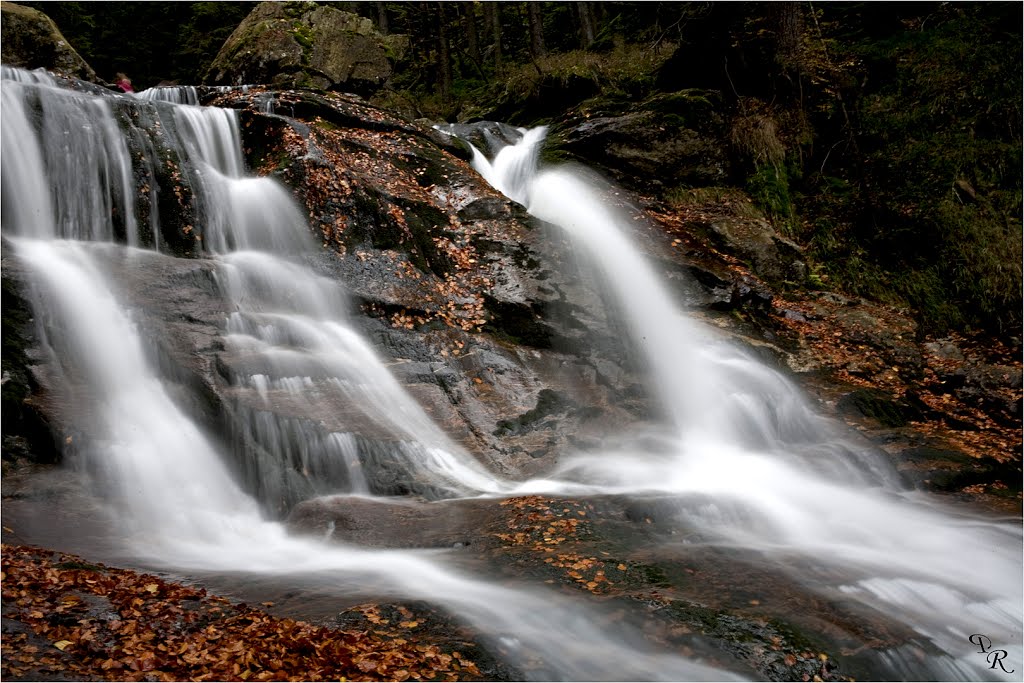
846,351
95,622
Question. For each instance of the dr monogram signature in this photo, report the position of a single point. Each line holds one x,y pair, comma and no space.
993,657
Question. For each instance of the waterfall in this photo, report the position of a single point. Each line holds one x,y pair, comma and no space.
290,357
165,470
86,158
514,166
178,94
287,327
310,409
781,479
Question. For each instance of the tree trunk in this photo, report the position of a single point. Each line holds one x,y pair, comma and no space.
382,17
587,29
444,53
536,30
788,18
492,19
468,11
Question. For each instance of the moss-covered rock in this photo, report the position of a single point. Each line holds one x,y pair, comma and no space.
31,40
666,141
305,45
771,256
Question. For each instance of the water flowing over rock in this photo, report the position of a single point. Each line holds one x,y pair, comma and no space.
294,337
729,412
32,41
302,44
463,291
116,373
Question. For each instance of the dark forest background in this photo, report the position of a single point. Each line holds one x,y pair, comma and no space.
885,137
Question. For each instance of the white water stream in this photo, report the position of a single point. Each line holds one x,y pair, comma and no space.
782,480
179,506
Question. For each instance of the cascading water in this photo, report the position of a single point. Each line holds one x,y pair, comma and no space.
84,142
288,347
783,480
752,466
178,94
514,167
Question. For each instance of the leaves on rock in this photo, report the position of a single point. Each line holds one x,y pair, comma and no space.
115,624
360,170
545,525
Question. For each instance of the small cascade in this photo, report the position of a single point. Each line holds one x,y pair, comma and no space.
289,331
140,437
293,352
27,206
755,467
513,168
85,157
15,75
176,94
268,103
212,138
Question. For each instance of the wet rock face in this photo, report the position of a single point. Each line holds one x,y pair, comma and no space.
302,44
770,255
487,136
31,40
482,313
26,432
398,523
626,550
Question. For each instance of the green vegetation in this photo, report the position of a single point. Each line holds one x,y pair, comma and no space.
303,35
926,207
627,69
769,188
884,137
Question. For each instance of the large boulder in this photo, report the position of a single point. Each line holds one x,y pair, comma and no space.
305,45
770,255
31,40
667,141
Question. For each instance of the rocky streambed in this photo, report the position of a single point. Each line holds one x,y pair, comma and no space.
488,318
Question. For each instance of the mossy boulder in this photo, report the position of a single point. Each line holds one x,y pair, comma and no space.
666,141
31,40
305,45
770,255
